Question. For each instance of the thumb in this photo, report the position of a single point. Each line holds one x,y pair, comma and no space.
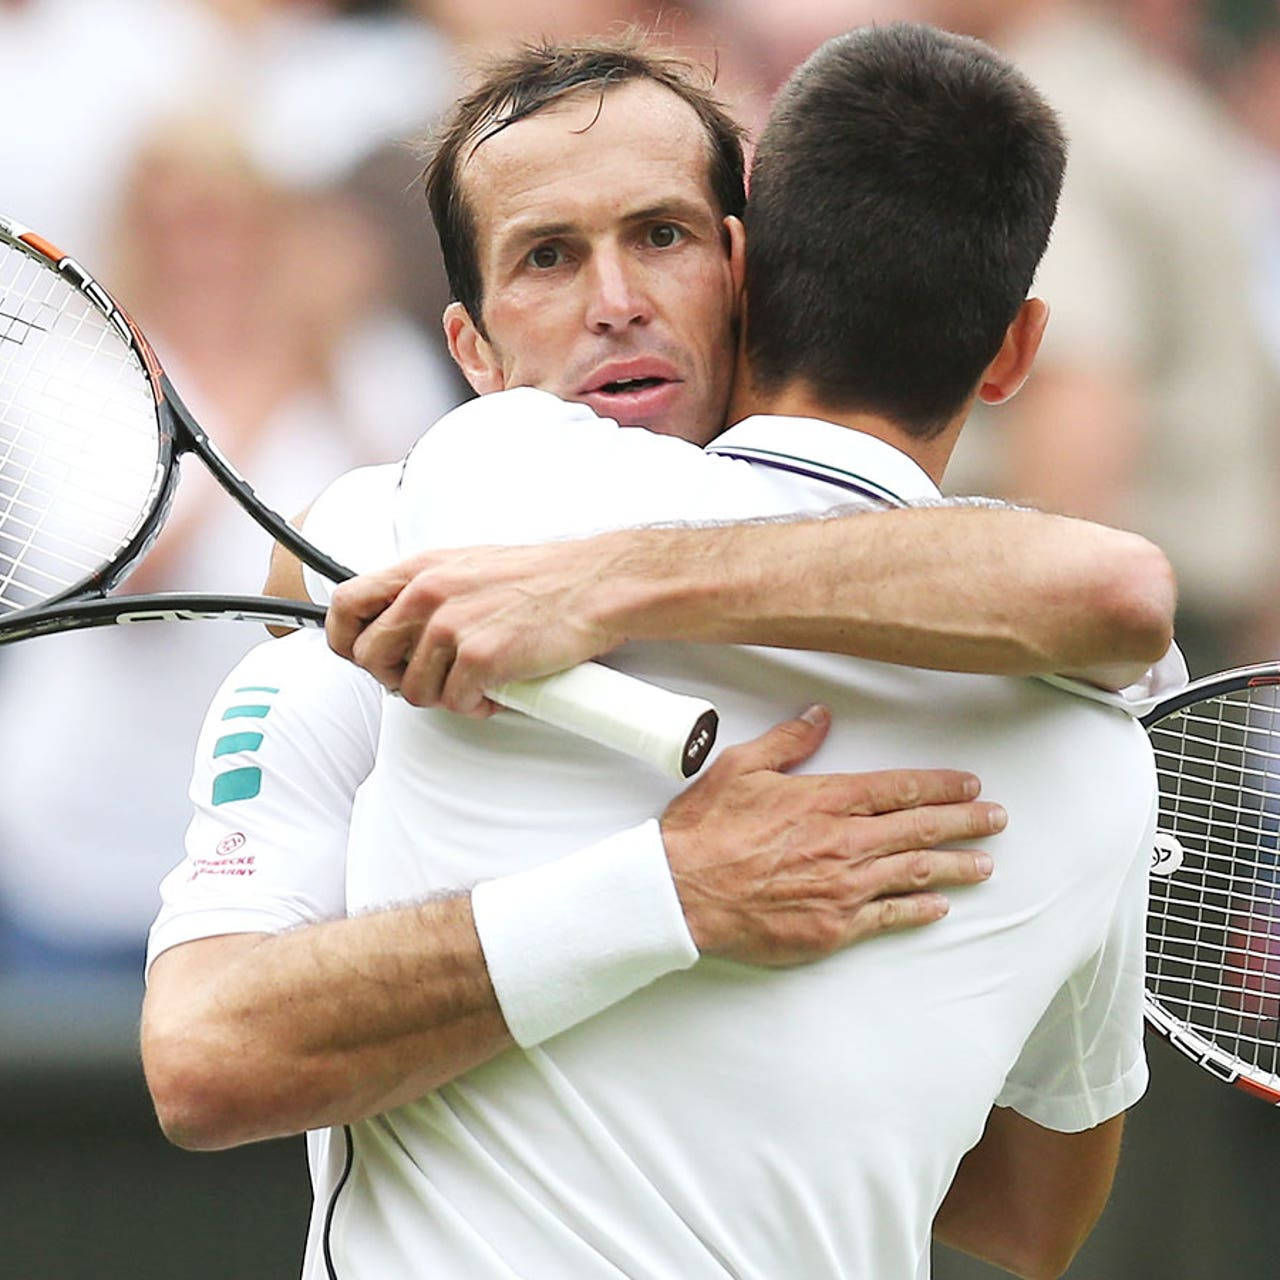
787,744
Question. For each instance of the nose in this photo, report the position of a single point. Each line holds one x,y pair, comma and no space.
617,297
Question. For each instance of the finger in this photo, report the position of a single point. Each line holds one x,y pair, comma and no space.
924,828
920,870
894,914
426,671
384,652
890,789
355,604
463,691
388,644
784,746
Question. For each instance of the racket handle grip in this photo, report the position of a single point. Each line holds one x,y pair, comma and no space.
671,731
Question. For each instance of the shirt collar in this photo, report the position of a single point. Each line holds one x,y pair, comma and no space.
850,460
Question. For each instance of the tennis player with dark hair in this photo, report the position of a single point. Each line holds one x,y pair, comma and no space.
540,1222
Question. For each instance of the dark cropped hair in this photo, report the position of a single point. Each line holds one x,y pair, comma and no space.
901,198
535,76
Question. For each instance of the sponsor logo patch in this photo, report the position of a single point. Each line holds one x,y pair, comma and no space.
229,844
226,865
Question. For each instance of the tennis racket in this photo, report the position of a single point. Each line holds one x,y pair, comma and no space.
1213,926
91,432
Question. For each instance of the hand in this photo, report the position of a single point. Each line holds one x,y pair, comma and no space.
444,626
778,870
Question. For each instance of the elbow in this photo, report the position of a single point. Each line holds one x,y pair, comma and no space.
1045,1263
1042,1246
198,1107
1136,595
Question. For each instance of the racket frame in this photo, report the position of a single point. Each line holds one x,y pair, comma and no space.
86,603
1176,1031
177,433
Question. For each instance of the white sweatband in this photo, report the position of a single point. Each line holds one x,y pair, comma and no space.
569,938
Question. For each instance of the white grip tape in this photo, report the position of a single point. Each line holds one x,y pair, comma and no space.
671,731
574,936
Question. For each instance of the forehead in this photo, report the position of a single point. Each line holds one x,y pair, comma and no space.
588,158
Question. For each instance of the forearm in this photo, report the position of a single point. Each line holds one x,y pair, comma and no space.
1025,1198
953,588
271,1035
250,1036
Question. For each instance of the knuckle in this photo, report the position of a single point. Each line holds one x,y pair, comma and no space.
441,632
921,868
892,913
906,791
476,651
425,591
928,827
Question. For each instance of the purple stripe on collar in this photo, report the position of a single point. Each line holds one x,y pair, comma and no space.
849,486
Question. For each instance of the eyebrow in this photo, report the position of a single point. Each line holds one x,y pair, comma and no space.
674,207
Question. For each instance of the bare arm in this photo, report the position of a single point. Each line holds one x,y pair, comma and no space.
1050,1189
954,588
253,1036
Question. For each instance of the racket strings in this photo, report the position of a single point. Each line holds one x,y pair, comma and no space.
1213,933
78,435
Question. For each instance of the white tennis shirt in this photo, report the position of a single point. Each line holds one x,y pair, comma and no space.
726,1120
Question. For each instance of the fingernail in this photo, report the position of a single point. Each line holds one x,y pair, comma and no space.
999,817
971,787
983,862
816,714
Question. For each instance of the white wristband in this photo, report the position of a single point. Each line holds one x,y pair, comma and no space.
569,938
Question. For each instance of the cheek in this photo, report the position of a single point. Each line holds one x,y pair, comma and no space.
521,336
711,323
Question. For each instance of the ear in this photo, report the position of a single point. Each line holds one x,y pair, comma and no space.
1004,376
735,242
471,351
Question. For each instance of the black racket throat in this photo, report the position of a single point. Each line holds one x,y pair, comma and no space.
187,435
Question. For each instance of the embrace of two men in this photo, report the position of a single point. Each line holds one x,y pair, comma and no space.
539,1015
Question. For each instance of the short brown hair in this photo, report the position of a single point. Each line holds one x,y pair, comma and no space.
901,197
534,76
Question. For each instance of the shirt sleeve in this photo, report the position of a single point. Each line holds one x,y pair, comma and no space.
1158,682
285,744
351,521
1085,1061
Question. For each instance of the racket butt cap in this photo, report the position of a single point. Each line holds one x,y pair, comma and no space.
702,738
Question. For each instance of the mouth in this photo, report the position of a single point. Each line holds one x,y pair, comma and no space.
641,392
622,386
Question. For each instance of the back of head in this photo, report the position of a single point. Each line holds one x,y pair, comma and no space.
900,200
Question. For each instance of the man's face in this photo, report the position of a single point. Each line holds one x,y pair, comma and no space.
609,276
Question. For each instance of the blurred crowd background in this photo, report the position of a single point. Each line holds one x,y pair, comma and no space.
242,174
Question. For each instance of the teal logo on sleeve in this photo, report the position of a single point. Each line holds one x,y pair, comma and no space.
244,782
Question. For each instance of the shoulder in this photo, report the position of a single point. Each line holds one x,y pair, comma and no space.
349,518
535,427
300,690
523,466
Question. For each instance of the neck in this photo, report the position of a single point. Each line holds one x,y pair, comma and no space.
797,401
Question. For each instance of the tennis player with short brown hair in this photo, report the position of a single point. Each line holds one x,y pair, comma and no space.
621,305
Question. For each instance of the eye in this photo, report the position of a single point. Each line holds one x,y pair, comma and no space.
545,256
662,235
